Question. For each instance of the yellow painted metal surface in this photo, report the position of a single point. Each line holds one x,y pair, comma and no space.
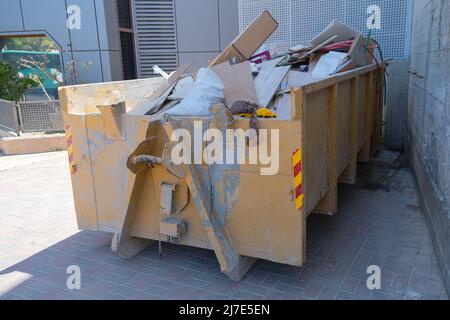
264,216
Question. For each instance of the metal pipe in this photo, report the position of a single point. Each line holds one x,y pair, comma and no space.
150,160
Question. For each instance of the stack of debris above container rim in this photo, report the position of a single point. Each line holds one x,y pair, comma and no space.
258,85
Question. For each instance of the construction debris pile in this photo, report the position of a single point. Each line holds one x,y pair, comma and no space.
258,85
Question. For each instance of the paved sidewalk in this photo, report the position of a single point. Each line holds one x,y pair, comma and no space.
379,223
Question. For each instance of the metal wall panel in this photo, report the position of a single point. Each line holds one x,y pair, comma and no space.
197,25
301,20
8,116
156,40
171,32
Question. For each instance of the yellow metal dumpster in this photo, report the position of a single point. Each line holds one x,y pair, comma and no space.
125,183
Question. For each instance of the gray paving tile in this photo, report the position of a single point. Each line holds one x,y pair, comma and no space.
373,227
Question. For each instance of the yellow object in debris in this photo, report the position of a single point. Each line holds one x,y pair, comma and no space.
245,115
261,113
265,113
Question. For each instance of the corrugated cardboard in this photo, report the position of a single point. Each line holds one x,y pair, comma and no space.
250,40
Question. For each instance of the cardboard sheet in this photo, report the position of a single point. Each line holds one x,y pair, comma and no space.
359,55
173,79
153,102
238,82
268,80
338,29
250,40
328,64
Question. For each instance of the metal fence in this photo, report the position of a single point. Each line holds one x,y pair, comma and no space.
40,116
8,116
31,116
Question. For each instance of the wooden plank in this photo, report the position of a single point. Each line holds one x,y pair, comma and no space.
350,174
377,137
296,104
343,126
361,109
364,155
315,144
328,205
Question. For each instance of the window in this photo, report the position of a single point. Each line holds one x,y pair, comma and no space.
126,39
37,57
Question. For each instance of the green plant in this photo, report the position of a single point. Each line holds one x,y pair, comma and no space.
31,44
12,87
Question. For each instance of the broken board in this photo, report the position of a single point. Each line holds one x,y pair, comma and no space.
268,80
250,40
156,99
147,107
238,82
338,29
359,54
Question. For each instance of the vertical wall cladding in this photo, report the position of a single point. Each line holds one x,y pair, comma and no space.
280,10
395,33
156,39
301,20
428,122
170,33
311,17
429,109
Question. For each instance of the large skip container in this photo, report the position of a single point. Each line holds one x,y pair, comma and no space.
231,209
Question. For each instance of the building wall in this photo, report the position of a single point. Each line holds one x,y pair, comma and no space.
205,28
97,41
395,109
201,30
182,31
428,119
301,20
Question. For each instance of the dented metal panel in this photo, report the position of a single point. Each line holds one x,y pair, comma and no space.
235,209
